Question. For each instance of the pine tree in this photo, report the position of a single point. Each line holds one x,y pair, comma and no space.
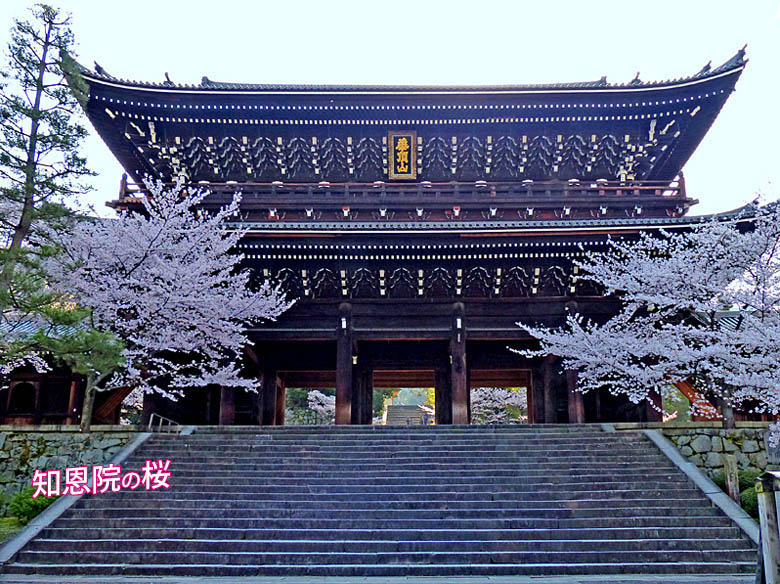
41,170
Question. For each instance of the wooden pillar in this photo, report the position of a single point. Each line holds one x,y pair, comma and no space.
535,395
356,411
576,401
769,528
597,398
149,407
227,406
443,394
362,393
281,402
73,413
267,399
575,398
458,367
38,406
548,388
344,365
368,394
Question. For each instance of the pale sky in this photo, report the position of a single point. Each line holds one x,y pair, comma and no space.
441,42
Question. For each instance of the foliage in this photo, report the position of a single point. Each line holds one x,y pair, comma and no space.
378,402
40,133
674,288
9,526
167,283
749,501
25,508
747,479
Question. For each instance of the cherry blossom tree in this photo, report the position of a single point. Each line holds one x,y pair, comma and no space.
323,405
498,405
701,305
167,283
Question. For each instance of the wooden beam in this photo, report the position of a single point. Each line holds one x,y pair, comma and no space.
344,365
706,412
105,413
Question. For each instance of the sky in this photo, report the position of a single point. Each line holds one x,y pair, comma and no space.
453,42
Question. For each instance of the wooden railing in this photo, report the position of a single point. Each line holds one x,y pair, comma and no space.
428,189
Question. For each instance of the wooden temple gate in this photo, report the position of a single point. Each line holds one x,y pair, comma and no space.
415,226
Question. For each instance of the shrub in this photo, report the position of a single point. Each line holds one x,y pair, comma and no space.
747,483
747,479
24,507
749,501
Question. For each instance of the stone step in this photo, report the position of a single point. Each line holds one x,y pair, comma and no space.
367,459
585,534
317,514
205,431
394,569
225,501
372,494
409,466
414,484
390,442
324,545
495,557
363,501
593,475
371,523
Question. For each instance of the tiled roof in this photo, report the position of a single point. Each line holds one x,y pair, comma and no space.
207,84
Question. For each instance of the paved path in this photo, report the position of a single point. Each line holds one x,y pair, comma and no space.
655,579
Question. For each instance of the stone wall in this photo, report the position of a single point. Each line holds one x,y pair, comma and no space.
705,447
23,449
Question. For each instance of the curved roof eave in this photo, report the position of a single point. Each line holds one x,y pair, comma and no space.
733,65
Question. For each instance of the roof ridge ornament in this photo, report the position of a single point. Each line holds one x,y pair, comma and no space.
735,61
102,72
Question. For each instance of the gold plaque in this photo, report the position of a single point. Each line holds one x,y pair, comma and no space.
402,155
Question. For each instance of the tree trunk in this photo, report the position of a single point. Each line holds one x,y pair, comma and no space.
727,410
31,167
87,407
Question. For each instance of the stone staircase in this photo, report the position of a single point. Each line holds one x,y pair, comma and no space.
404,416
398,501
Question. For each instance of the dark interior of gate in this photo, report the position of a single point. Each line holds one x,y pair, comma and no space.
403,364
